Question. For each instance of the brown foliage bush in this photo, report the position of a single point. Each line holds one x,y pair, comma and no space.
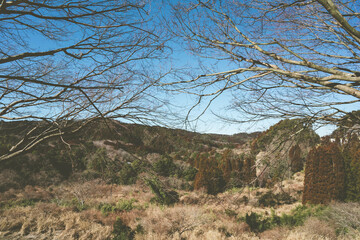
296,162
351,154
218,172
324,174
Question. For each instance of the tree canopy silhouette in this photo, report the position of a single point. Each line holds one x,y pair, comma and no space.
66,61
280,59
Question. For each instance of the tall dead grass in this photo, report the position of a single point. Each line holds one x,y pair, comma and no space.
190,222
314,228
197,215
345,217
48,221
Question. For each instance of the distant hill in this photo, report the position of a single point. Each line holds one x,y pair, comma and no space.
101,145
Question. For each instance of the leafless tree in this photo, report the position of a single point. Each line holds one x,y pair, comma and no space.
76,60
280,59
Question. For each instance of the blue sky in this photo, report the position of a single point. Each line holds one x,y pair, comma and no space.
208,123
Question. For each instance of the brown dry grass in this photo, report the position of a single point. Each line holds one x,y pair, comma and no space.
50,221
345,217
95,192
29,192
190,222
316,227
276,233
197,215
50,218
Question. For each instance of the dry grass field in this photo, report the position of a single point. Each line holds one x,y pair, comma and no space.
90,210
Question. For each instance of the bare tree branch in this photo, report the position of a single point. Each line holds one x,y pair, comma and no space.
283,59
66,63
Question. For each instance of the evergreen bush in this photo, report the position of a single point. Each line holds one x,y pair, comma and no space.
162,195
121,231
259,223
127,175
165,166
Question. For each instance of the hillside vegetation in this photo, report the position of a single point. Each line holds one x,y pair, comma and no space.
125,181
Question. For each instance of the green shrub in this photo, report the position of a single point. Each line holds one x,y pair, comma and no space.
78,205
18,203
186,186
106,208
257,223
162,195
127,175
189,173
139,229
125,205
165,167
99,161
59,161
297,217
130,171
139,165
121,231
122,205
269,199
6,142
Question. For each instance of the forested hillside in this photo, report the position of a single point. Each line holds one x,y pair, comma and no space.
105,149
